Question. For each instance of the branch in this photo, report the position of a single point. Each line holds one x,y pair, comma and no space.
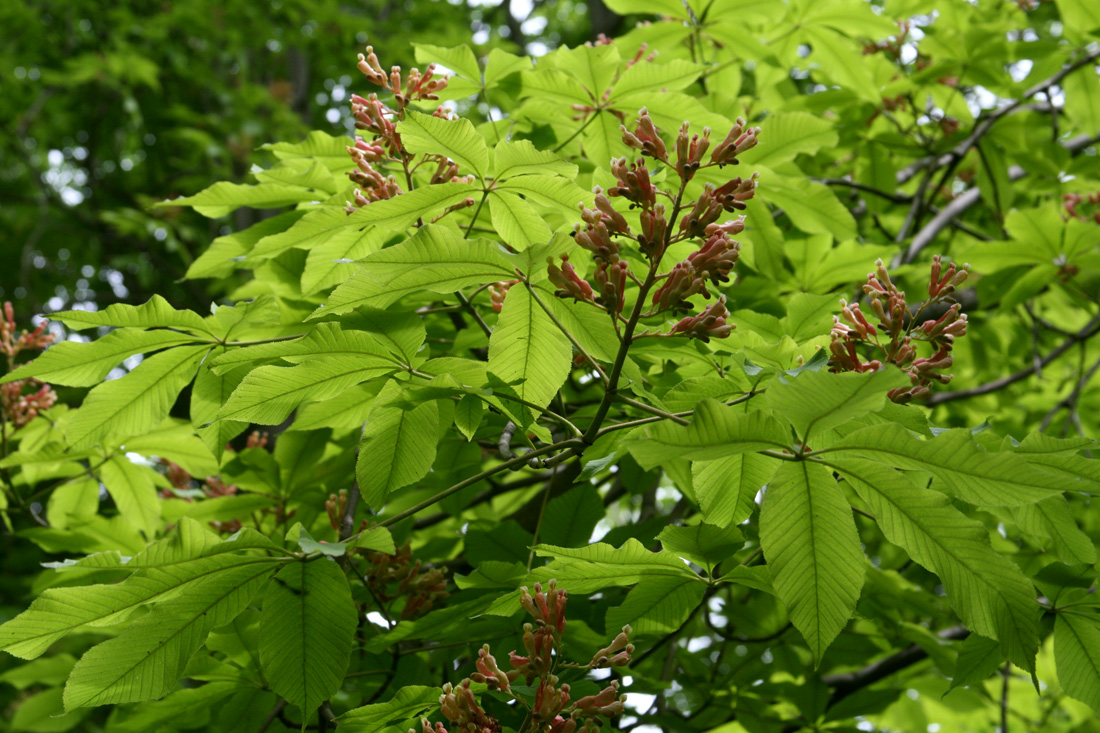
967,199
938,161
849,683
1090,330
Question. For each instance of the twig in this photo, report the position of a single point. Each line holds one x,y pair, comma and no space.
1007,674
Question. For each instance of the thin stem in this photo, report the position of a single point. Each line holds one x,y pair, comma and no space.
516,462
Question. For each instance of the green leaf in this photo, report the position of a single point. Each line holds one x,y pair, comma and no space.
410,702
704,544
966,469
526,347
521,158
593,66
726,488
715,431
500,64
398,447
223,197
460,59
330,150
435,259
209,392
810,542
1052,518
570,519
979,658
137,402
657,606
155,313
401,211
552,191
648,78
165,569
132,489
324,339
85,365
811,207
147,660
673,8
990,594
517,223
306,632
456,139
1077,654
468,414
789,134
270,393
820,401
590,327
377,539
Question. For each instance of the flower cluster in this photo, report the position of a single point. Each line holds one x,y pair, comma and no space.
385,146
604,230
552,709
390,577
899,328
23,399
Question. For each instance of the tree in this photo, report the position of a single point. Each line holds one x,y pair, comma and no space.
758,455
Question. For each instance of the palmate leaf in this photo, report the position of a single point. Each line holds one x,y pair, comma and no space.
988,591
84,365
306,631
456,139
137,402
435,259
810,542
1077,655
819,401
398,446
715,431
967,470
164,569
410,702
154,313
527,347
146,660
593,66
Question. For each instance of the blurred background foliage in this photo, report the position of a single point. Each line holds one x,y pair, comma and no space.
111,106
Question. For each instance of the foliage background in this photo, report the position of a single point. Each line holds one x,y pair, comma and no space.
109,109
